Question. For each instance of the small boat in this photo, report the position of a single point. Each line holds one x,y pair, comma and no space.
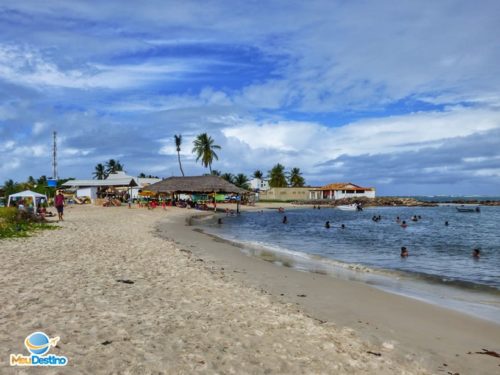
350,207
468,209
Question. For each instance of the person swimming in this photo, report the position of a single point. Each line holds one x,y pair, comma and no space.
446,223
285,220
403,224
476,253
219,221
327,225
404,252
342,226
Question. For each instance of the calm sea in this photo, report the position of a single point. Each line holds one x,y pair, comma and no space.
439,269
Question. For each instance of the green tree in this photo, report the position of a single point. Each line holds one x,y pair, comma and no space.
215,172
204,149
100,172
295,178
258,174
11,187
142,175
241,181
178,142
229,177
113,166
42,181
277,177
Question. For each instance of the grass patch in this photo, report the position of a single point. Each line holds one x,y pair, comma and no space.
15,223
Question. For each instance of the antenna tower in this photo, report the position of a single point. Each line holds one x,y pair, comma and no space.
54,157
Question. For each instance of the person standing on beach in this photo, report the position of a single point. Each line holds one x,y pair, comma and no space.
59,204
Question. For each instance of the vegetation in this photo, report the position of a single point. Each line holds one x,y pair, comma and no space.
277,177
241,180
113,166
258,174
178,142
143,175
229,177
15,223
295,178
204,148
100,172
39,185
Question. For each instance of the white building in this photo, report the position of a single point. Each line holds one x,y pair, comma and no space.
258,184
341,190
118,180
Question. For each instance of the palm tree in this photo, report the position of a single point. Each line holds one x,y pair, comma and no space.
295,178
100,172
258,174
113,166
277,176
229,177
10,187
241,181
204,149
178,142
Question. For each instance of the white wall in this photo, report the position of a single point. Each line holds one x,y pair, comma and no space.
90,192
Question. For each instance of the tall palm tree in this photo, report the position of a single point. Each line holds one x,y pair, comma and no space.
295,178
204,149
178,142
277,176
241,180
100,172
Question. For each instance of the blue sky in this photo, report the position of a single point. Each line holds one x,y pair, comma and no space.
402,96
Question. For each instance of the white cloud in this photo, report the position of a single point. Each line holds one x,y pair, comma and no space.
313,142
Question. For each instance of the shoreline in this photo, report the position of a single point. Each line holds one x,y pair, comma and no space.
476,300
421,331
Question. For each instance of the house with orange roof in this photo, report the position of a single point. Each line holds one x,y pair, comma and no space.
341,190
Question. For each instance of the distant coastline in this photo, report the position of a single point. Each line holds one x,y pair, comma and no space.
407,201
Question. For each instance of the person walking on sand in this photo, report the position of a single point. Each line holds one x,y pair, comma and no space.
59,204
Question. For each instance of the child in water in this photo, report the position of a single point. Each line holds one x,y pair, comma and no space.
404,252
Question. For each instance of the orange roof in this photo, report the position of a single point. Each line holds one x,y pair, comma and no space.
343,186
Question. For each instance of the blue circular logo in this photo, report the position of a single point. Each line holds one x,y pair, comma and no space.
37,343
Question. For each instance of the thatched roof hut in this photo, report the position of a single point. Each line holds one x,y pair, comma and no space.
195,184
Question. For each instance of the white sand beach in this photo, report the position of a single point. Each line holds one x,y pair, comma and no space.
190,310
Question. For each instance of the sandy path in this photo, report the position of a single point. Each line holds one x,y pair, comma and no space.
181,315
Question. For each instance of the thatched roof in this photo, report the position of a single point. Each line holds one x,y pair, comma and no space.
195,184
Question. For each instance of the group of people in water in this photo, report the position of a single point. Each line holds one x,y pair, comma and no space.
476,253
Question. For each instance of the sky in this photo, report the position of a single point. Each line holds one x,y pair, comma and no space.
403,96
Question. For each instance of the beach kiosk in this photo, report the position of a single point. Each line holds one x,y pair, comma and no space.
37,197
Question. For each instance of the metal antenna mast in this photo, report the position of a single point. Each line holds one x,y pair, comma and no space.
54,157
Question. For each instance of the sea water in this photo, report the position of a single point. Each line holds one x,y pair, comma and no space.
440,268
